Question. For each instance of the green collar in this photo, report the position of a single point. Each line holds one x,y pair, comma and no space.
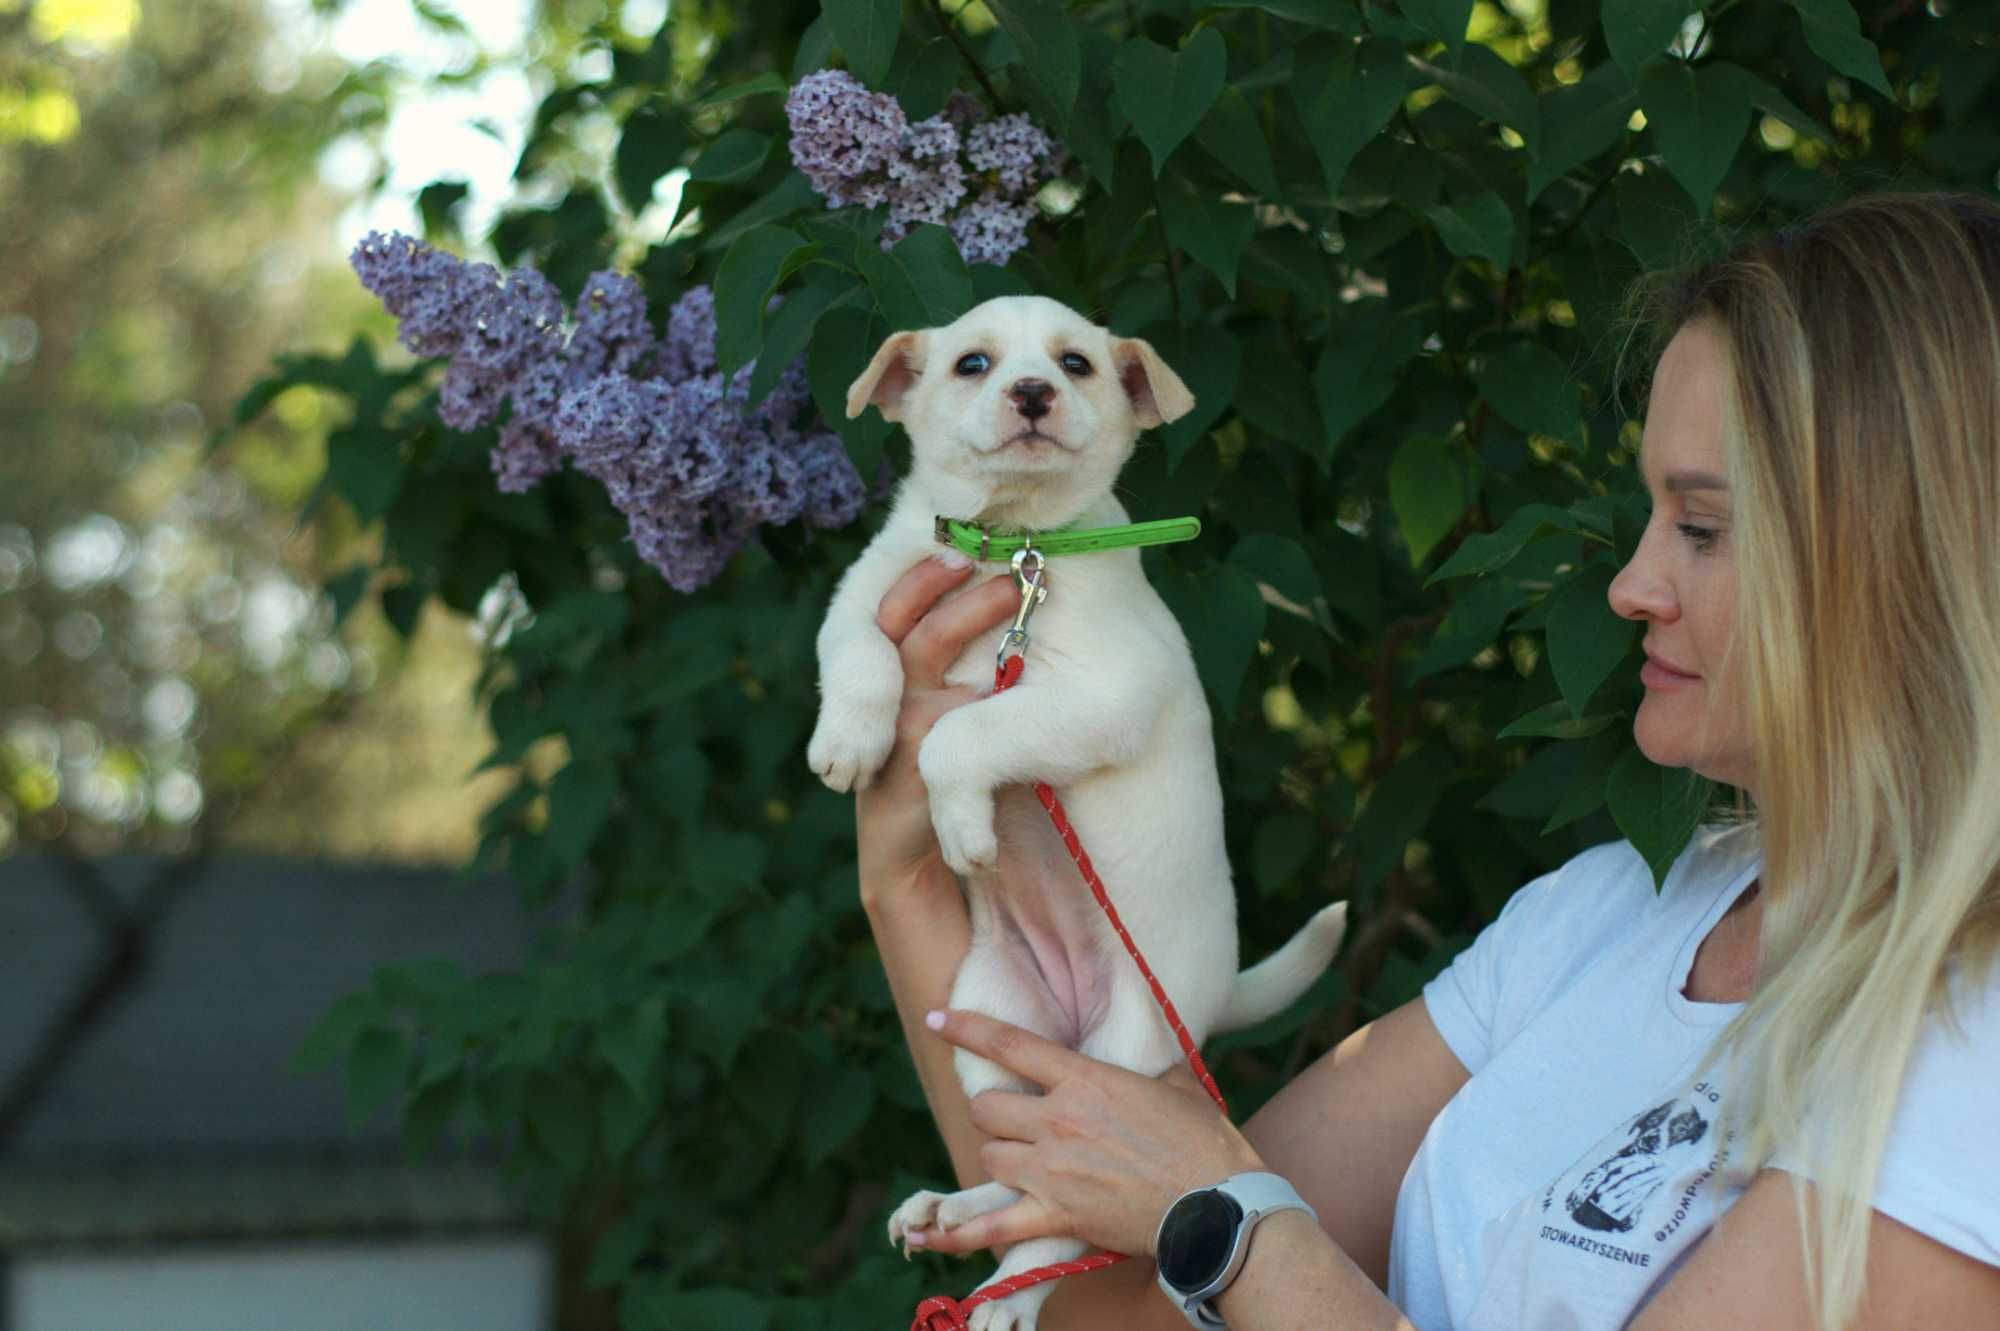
971,539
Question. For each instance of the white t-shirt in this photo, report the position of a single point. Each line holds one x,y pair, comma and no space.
1568,1179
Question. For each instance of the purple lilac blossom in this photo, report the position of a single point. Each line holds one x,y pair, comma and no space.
681,454
856,147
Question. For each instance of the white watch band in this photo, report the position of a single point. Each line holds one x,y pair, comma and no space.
1259,1195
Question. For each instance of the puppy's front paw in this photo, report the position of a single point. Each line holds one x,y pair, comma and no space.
852,740
927,1210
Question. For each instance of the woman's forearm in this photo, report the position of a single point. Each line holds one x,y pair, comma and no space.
922,933
1295,1277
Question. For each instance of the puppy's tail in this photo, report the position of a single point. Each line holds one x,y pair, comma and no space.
1269,987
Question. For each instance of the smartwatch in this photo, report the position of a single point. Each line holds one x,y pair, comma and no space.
1205,1235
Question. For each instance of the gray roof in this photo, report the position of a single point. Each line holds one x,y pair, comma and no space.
178,1108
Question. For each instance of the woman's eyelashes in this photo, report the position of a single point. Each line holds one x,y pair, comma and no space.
1701,538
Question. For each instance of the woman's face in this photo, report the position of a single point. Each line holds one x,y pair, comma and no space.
1681,582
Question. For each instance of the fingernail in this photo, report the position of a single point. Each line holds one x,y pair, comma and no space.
953,559
915,1238
934,1019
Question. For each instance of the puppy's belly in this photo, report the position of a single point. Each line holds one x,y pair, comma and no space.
1037,915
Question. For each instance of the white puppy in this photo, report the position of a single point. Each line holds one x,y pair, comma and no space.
1020,415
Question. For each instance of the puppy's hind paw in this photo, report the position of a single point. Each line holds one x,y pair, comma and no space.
1016,1312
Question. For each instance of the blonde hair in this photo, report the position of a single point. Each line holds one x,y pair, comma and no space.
1862,428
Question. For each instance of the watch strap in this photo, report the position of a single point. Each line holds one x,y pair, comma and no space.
1258,1194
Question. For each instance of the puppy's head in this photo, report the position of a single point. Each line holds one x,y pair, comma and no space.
1022,399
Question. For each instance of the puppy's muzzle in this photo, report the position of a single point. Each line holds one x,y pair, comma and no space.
1031,397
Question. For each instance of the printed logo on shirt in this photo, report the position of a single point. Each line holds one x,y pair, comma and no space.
1626,1190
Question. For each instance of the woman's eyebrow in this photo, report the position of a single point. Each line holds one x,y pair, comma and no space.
1682,481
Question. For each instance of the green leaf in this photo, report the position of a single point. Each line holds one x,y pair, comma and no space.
1211,229
1553,720
838,1103
1222,614
1657,220
622,1117
732,159
1399,807
580,800
649,146
1657,808
1487,84
1042,32
1475,619
1281,564
1431,483
921,79
375,1068
751,271
364,466
1580,121
1535,788
1366,348
1769,100
1585,794
788,330
559,1113
1531,387
1833,31
631,1043
1345,93
345,590
1209,363
1478,227
763,85
1639,30
1276,393
1338,15
430,1112
1698,118
1484,552
921,283
842,342
1165,94
334,1034
1586,638
1445,20
867,32
1283,846
790,195
1232,136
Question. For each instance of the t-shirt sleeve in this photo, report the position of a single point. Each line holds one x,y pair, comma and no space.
1464,998
1941,1167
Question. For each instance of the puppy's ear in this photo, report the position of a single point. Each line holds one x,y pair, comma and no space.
888,377
1157,393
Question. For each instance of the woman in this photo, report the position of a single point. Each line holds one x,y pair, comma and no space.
1793,1048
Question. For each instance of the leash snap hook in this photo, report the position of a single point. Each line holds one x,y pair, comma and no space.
1033,592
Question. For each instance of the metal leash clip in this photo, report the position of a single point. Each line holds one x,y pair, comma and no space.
1033,592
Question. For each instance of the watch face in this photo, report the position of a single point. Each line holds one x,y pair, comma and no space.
1196,1239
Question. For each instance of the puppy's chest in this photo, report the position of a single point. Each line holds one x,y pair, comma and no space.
1061,630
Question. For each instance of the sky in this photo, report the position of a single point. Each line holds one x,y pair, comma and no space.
473,133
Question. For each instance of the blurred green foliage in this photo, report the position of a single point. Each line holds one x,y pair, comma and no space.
1386,246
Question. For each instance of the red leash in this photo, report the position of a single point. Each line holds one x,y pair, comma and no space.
940,1312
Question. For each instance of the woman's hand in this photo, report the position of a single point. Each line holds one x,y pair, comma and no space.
892,813
1101,1153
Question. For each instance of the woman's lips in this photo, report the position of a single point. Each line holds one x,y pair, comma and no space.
1658,675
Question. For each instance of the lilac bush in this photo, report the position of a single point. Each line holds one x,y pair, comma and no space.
857,147
693,467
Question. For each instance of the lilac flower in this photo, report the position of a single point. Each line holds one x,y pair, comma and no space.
992,228
692,466
1020,154
844,137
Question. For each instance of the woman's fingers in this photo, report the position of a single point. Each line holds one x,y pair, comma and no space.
1018,1221
1009,1115
1043,1062
939,631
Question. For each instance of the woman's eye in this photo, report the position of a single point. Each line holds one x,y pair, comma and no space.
972,363
1702,538
1075,364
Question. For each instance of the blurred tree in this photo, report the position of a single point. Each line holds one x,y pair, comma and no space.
166,657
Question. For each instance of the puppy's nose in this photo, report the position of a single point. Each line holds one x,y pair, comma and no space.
1031,397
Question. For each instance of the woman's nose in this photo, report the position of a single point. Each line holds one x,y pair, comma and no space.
1641,591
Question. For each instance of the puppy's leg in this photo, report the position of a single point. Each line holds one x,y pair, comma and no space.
998,977
860,674
1047,732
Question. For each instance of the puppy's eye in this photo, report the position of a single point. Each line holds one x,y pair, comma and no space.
1075,364
973,363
